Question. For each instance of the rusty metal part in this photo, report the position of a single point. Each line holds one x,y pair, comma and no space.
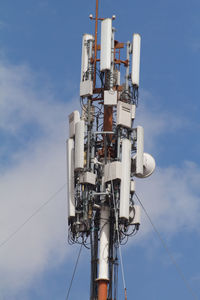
120,88
102,289
125,294
90,212
98,99
107,124
100,19
119,45
97,90
119,61
108,118
110,152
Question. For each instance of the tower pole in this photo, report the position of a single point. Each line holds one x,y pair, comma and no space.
103,278
104,153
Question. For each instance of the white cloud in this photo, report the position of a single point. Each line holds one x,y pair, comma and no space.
23,101
38,172
170,195
157,121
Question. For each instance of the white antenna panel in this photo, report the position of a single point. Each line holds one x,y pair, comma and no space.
116,77
86,88
124,114
70,178
113,171
132,187
106,36
88,177
135,75
74,117
110,97
79,145
125,179
135,215
140,151
133,110
85,57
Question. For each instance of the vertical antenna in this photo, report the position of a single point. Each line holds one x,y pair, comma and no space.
95,45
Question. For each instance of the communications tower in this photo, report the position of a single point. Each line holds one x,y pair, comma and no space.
105,153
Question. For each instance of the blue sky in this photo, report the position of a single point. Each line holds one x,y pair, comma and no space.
40,54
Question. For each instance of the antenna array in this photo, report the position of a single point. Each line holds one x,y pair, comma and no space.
104,155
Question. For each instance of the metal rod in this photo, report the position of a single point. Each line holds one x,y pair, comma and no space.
127,67
89,59
95,45
103,132
100,193
89,133
112,59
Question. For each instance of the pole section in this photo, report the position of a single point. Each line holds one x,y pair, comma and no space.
104,253
103,290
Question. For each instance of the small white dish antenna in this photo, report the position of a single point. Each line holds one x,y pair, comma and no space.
149,166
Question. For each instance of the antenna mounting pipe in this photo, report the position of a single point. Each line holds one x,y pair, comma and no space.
95,45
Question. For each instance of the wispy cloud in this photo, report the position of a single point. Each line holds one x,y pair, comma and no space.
171,195
39,171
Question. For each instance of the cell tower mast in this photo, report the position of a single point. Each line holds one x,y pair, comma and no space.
105,153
